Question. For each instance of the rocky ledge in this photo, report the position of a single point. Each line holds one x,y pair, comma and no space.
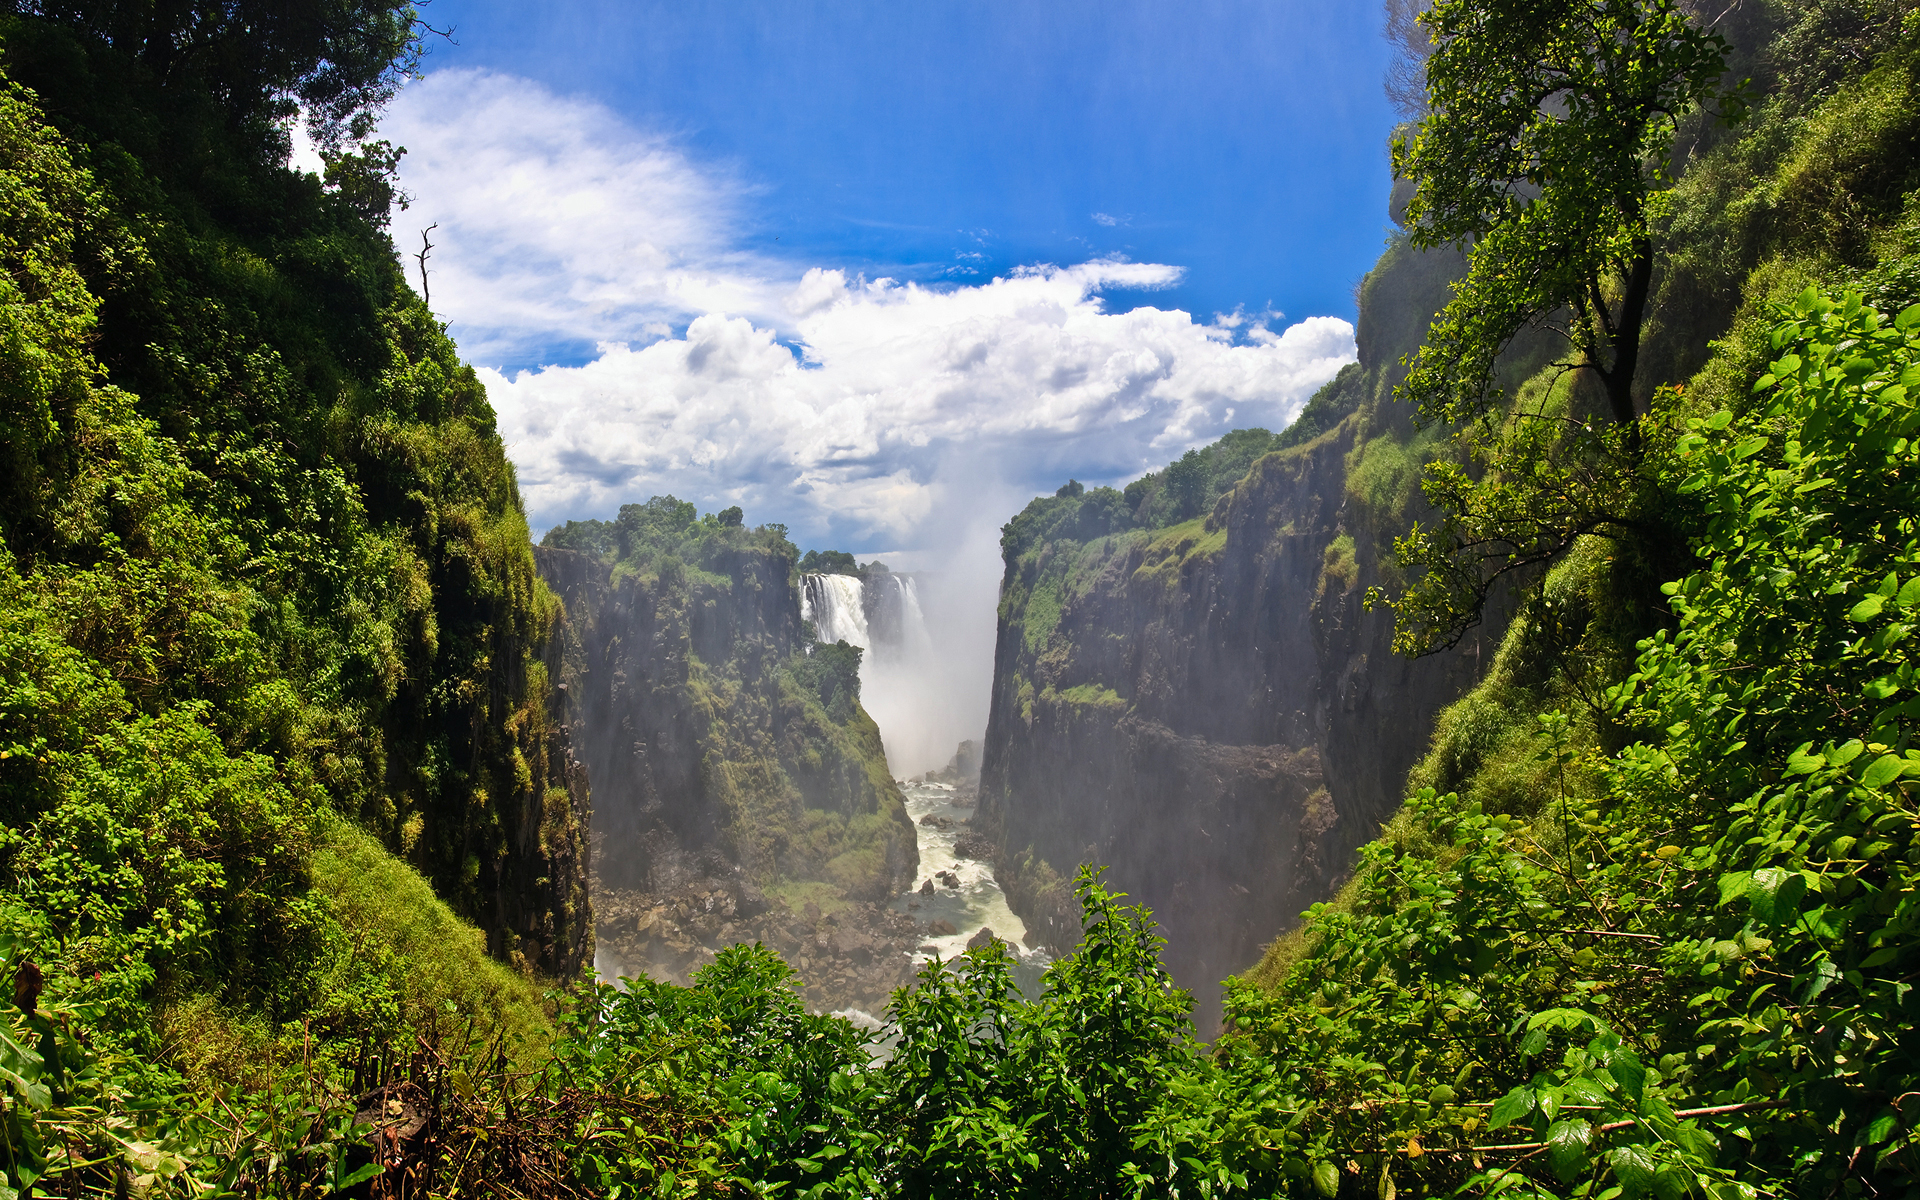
851,958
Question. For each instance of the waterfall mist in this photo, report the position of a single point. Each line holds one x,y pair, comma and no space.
928,632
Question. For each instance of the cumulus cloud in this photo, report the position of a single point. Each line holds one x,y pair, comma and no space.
558,222
869,413
899,398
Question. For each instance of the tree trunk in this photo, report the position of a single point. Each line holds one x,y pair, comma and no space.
1626,334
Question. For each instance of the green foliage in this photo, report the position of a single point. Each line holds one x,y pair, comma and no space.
658,525
399,940
264,563
1545,156
340,60
594,538
1647,971
980,1092
666,535
760,1087
1817,187
1327,407
1545,145
1534,485
1187,488
832,673
829,562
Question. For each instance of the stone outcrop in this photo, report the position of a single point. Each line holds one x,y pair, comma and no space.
1207,710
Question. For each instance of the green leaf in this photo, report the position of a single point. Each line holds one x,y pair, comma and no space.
1633,1166
1867,609
1881,1128
1884,770
1775,895
360,1176
1733,886
1720,420
1629,1072
1672,1182
1326,1179
1567,1143
1800,762
1511,1107
1564,1018
1909,596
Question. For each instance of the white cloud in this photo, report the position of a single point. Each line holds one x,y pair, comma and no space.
899,398
866,413
558,221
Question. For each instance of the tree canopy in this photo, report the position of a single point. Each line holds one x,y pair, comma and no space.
1545,155
1543,152
339,60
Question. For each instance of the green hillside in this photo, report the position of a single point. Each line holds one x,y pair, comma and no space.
271,706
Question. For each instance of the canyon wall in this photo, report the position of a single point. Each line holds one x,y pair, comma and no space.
735,776
1207,709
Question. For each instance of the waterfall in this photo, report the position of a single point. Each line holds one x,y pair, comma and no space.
895,624
903,685
880,614
837,608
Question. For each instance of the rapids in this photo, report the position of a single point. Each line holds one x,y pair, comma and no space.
881,614
977,903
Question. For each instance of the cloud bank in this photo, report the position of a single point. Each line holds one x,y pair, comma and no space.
867,413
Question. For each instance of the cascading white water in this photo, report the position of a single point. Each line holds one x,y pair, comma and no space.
836,604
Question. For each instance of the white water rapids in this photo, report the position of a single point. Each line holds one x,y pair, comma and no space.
976,903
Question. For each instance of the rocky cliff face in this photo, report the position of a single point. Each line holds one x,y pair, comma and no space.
724,780
1206,709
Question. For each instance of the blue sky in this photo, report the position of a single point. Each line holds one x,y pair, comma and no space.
1243,141
881,273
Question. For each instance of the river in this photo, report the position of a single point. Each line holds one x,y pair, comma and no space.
976,902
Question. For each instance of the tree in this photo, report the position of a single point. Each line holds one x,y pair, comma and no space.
1545,156
340,60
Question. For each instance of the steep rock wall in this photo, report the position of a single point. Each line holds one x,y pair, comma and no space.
1207,710
716,770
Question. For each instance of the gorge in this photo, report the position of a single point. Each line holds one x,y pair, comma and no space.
332,805
726,710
